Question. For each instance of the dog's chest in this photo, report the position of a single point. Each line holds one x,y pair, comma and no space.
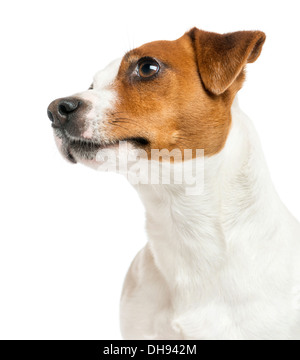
228,310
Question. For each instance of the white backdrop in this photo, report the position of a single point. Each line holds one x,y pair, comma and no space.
68,234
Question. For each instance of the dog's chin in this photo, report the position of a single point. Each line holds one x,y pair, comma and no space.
92,153
81,150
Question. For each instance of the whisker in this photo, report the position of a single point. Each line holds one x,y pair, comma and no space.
119,122
124,119
117,112
115,124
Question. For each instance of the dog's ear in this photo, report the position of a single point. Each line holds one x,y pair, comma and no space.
222,58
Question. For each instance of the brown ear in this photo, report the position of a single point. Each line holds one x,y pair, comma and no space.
221,58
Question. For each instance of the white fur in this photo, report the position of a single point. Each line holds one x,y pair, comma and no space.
220,265
102,98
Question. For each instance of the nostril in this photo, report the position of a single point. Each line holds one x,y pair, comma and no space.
62,109
50,116
67,106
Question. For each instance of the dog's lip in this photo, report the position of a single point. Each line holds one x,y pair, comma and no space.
76,146
94,145
79,146
84,142
76,141
137,140
70,157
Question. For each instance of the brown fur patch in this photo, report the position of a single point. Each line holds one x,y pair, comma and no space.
187,105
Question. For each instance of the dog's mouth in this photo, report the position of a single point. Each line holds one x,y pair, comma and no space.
78,148
85,149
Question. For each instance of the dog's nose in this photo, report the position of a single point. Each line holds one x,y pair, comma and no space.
59,110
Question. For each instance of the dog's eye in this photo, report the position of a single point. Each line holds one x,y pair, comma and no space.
148,68
91,87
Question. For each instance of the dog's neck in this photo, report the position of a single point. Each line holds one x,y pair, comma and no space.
190,235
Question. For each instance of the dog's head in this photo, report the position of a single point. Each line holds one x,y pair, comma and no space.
162,95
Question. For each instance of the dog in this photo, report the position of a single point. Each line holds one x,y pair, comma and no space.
222,263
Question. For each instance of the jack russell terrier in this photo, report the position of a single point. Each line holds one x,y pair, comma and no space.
224,262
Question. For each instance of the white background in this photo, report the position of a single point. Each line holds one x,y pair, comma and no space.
68,234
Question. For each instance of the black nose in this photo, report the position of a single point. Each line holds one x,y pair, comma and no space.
66,106
59,110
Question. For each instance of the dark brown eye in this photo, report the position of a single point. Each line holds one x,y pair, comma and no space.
147,68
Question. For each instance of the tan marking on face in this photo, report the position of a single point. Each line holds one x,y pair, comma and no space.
173,110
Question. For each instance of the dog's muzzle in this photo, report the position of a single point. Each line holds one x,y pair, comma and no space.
68,121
